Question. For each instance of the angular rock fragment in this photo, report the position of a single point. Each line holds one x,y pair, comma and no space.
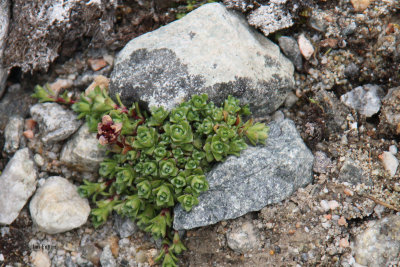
291,49
55,122
13,133
270,18
305,46
365,99
389,162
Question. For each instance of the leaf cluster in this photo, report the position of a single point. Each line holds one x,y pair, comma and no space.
160,159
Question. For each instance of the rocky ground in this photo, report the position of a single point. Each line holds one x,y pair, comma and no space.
344,103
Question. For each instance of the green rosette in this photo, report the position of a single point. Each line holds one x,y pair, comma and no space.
168,168
188,201
180,133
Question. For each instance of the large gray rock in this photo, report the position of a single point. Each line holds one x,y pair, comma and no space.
17,184
262,175
4,21
379,245
83,152
211,50
55,122
57,207
13,133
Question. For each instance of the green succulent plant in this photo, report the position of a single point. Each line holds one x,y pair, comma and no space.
159,160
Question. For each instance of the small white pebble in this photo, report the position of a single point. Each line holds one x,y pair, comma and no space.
306,229
379,209
344,140
335,217
72,77
4,231
60,252
393,149
375,172
278,116
52,155
390,162
344,243
1,257
38,160
324,205
326,225
306,47
269,225
353,126
333,204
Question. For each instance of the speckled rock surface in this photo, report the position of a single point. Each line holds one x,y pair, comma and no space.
379,245
13,133
17,184
351,173
194,55
41,30
321,162
125,227
106,258
57,207
335,111
390,112
55,122
243,238
4,21
268,17
260,176
82,152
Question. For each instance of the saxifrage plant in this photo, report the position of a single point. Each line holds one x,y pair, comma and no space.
159,159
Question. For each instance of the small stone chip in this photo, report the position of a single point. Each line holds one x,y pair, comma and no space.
360,5
97,64
344,243
306,47
342,221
